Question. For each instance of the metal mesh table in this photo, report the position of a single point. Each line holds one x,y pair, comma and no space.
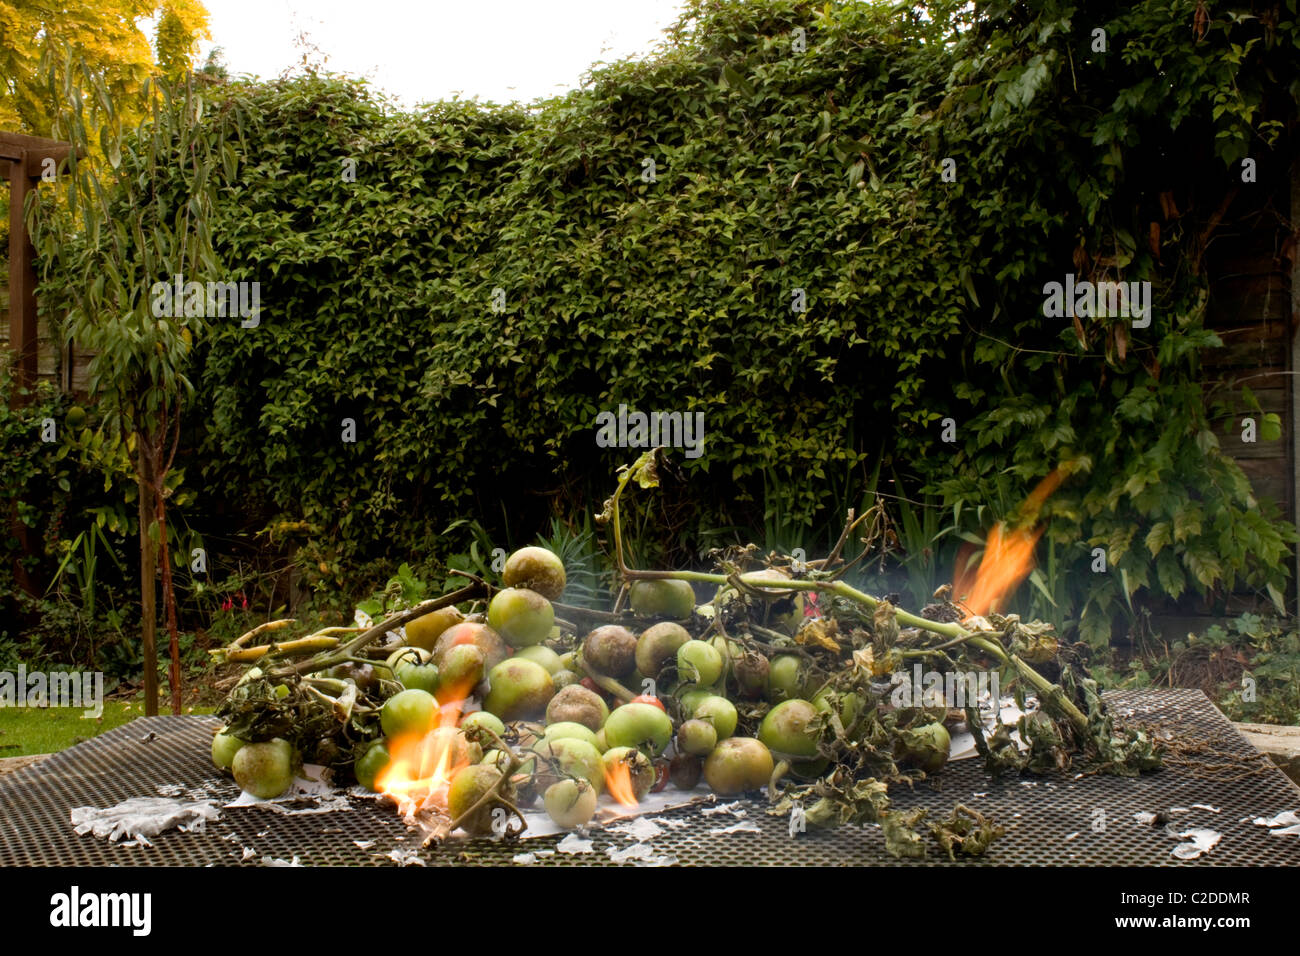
1051,820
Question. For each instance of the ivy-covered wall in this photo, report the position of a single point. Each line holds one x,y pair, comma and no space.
472,285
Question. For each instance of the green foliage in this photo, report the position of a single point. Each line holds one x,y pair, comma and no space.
34,475
774,171
146,222
1249,665
1269,691
402,591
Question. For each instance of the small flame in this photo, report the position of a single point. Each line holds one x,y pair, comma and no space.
618,781
1008,556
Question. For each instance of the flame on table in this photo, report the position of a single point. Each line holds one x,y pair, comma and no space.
618,781
423,764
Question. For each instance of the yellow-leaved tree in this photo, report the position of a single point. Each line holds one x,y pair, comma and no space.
125,41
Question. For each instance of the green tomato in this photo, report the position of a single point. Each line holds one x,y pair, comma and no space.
543,655
424,631
699,663
719,712
460,671
636,725
659,644
481,718
692,698
738,764
640,770
569,728
786,732
570,803
520,690
521,616
409,712
418,676
407,655
537,569
574,758
224,748
264,770
927,747
373,762
470,785
850,705
786,677
668,598
697,737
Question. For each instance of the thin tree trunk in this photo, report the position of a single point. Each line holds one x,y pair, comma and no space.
169,439
169,604
148,555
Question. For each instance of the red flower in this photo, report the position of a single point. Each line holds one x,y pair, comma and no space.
810,608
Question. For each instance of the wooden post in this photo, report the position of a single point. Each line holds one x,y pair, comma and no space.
22,331
22,280
23,159
1292,384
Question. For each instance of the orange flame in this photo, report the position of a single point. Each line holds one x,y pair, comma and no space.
618,781
1008,556
423,764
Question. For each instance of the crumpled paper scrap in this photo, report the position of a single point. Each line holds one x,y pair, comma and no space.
1202,841
574,844
640,829
1286,823
140,818
643,854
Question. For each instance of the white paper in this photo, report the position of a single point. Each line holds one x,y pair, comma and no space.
1283,819
142,817
736,828
609,811
961,744
642,853
1202,842
574,844
640,829
406,856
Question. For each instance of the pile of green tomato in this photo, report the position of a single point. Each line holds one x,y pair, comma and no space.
570,731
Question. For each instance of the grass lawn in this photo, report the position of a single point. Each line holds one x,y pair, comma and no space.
47,730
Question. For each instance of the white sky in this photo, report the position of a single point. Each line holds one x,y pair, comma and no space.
498,50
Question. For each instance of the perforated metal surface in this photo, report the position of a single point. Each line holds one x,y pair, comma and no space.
1054,820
